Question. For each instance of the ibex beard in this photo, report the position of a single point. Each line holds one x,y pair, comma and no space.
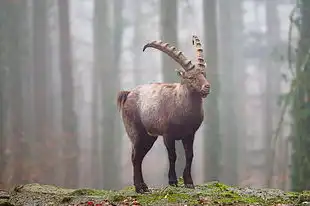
174,111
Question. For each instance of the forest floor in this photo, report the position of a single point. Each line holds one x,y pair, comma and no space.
212,193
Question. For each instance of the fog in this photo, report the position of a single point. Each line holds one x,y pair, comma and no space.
62,64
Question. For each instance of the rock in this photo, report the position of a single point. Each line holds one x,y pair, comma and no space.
4,194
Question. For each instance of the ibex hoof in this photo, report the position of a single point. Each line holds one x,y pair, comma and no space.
173,183
142,188
190,186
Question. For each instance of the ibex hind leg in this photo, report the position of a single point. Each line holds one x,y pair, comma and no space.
170,146
189,154
141,146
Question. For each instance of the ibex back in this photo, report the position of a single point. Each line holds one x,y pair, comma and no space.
174,111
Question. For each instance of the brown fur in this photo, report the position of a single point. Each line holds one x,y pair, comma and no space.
174,111
163,109
121,98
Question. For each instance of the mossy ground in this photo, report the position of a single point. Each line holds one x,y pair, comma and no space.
213,193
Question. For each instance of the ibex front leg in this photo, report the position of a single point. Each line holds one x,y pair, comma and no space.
172,156
189,154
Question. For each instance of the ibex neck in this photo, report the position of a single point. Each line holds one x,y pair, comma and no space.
191,93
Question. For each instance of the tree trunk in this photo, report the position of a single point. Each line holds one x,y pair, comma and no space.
301,107
95,138
69,119
168,25
117,45
39,84
273,77
212,123
3,114
27,82
3,89
228,84
239,85
107,55
16,47
96,147
102,59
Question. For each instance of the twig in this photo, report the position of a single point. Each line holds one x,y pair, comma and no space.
292,89
286,101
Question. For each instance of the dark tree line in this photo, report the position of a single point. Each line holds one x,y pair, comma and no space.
32,151
26,128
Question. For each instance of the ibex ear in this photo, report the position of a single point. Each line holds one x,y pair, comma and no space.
180,73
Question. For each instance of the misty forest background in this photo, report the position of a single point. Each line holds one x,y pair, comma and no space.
62,63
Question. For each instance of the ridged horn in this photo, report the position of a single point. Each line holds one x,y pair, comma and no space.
173,52
199,52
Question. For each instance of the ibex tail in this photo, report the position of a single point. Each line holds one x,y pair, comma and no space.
121,99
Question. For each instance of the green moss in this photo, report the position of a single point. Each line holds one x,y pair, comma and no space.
304,196
216,186
48,189
88,192
129,188
5,203
66,199
167,195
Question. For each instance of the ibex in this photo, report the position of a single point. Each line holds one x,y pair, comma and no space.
174,111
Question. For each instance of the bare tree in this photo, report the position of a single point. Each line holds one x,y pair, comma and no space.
228,84
3,89
117,45
301,108
39,79
212,123
239,76
27,80
98,19
106,60
69,121
16,48
273,80
102,59
168,29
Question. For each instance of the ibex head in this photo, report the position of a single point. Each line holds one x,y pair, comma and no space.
193,75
